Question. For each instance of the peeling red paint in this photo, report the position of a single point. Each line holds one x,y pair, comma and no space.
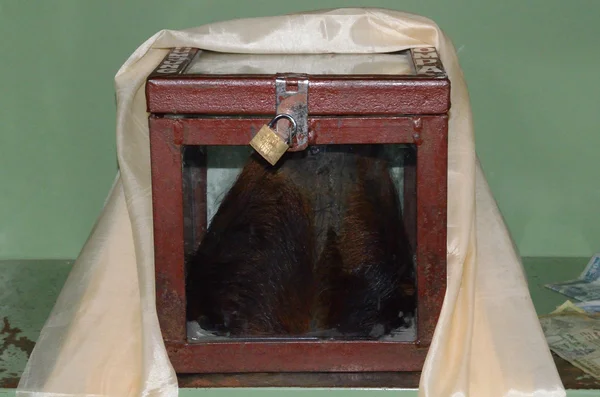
11,338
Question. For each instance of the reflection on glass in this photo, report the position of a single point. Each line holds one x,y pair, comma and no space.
314,64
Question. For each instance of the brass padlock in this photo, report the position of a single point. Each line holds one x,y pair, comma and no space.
270,145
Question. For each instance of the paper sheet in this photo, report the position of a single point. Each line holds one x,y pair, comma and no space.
586,287
574,335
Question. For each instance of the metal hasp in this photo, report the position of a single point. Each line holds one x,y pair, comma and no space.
291,94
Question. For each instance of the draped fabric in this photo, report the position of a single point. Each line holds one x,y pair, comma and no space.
103,338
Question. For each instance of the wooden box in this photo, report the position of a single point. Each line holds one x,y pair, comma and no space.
199,99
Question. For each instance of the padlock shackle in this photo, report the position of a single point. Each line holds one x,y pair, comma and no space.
291,120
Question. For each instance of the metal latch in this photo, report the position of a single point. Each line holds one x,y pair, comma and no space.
291,91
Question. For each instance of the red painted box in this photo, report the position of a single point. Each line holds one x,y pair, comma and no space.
203,104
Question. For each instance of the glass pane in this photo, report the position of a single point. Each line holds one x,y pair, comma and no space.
319,247
206,62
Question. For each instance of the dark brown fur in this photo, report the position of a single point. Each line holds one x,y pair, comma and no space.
373,263
256,271
252,274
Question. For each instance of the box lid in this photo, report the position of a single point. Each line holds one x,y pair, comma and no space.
192,81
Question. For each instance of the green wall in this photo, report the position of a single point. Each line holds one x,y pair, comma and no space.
532,69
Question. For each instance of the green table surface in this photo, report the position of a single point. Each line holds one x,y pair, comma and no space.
28,290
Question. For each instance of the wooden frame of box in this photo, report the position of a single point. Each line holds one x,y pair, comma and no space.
226,109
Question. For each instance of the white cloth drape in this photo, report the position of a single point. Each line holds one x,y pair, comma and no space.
103,337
